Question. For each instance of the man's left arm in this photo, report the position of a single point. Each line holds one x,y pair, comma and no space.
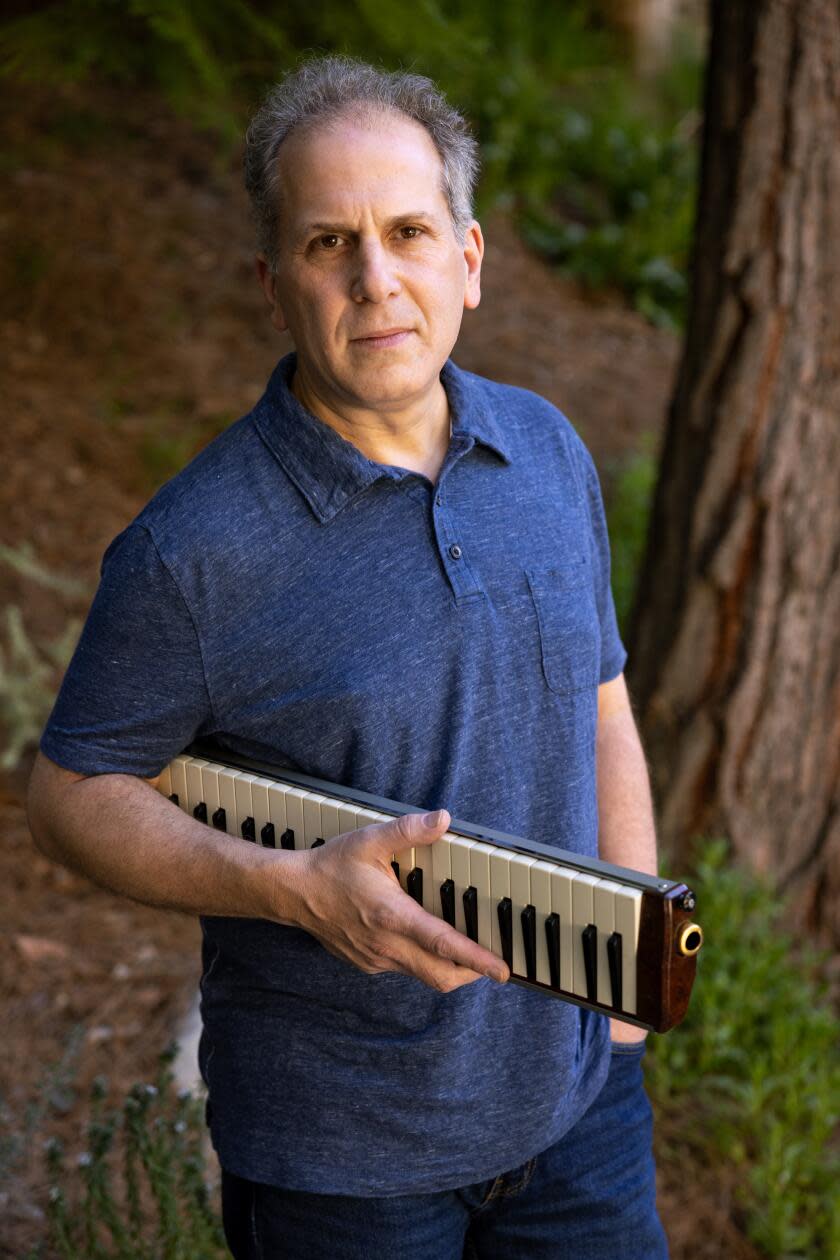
627,834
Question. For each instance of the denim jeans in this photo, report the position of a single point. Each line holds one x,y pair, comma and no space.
590,1196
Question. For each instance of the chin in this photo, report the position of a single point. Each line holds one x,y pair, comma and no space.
389,382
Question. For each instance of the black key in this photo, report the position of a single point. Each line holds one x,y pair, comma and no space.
173,796
529,940
471,912
505,909
267,836
287,840
589,936
249,830
316,844
220,819
447,901
395,867
614,960
200,812
414,884
552,940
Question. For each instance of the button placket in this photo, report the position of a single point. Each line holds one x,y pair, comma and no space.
461,576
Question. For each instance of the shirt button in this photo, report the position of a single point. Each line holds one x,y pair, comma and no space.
438,500
455,551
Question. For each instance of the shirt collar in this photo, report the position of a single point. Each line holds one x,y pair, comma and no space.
326,468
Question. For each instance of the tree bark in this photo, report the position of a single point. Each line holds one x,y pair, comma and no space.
735,637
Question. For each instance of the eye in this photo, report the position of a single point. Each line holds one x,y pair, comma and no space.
328,241
410,227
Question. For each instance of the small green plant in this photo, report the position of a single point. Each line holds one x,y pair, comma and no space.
27,693
628,511
140,1189
27,667
756,1065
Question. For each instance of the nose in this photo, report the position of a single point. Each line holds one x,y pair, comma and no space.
375,276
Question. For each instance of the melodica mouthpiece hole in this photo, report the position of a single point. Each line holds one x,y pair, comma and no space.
690,939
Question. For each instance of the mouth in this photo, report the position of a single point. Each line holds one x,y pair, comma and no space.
388,337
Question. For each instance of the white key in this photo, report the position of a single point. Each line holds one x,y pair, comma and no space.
260,789
628,913
384,818
604,906
195,786
480,855
423,862
459,861
210,788
366,817
227,798
499,888
583,913
244,804
277,813
406,860
441,870
562,882
348,819
541,901
312,827
178,775
330,824
294,814
520,895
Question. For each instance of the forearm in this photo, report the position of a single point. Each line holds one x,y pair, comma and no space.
118,831
626,827
627,831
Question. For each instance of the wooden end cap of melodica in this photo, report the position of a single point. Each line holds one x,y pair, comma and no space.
667,934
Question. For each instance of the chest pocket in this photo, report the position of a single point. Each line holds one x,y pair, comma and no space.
570,635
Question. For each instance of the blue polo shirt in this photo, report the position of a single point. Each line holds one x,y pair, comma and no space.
439,645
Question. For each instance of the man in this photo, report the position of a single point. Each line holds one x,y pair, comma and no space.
394,575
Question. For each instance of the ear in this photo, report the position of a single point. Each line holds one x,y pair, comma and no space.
473,254
268,284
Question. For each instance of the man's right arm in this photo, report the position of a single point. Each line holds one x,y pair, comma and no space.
120,832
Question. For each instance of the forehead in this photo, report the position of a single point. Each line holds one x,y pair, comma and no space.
386,163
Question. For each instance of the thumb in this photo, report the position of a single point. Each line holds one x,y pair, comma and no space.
411,829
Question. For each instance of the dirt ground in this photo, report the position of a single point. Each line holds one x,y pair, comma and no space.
131,331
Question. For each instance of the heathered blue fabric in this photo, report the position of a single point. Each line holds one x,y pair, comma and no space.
301,603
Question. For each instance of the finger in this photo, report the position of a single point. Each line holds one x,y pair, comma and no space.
444,943
407,830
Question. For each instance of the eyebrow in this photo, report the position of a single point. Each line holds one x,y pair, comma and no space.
414,216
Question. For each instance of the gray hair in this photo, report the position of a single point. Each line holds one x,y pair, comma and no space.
324,88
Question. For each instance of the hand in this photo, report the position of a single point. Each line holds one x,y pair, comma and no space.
350,899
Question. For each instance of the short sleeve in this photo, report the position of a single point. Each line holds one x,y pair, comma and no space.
613,653
134,694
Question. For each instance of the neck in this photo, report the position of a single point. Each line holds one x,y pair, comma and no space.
414,435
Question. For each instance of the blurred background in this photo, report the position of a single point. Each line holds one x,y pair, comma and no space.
647,215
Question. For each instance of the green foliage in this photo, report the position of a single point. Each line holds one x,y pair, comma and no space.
599,172
628,511
755,1067
27,667
26,691
140,1190
752,1078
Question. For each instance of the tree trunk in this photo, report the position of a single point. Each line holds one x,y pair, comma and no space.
735,638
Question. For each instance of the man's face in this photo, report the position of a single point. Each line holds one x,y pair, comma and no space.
366,246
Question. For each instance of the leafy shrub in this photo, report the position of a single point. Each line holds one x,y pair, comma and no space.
28,668
628,510
140,1190
756,1065
599,170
